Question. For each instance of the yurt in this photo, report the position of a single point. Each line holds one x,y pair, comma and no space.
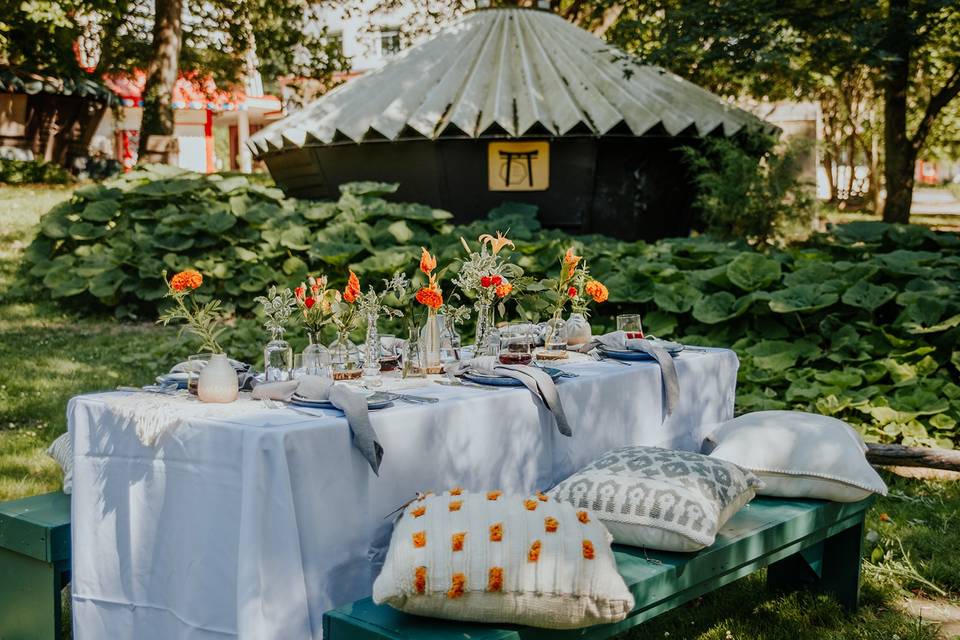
511,104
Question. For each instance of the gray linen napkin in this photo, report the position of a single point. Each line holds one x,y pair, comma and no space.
618,340
536,380
343,397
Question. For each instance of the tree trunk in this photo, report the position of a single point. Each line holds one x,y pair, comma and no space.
899,153
162,72
899,455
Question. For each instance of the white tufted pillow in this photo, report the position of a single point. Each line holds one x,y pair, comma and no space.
659,498
488,557
799,455
61,450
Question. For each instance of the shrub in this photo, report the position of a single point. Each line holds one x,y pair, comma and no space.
32,171
750,195
862,322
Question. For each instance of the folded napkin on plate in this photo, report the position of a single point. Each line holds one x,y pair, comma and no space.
343,397
618,341
536,380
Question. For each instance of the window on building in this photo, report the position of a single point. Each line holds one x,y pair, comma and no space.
389,42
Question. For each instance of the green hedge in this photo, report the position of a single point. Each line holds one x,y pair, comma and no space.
862,323
32,172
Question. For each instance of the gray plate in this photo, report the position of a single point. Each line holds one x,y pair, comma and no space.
378,400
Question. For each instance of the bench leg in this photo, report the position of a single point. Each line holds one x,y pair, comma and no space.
29,598
831,566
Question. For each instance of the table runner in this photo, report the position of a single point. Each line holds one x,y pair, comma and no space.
253,527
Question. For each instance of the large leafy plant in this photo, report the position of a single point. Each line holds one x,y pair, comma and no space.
862,322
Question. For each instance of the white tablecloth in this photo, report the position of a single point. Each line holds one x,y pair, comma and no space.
253,527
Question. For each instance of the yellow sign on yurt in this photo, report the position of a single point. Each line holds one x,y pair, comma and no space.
518,166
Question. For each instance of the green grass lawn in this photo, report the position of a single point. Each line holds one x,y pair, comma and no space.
49,354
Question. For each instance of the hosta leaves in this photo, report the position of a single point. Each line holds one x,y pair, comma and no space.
100,210
752,271
868,296
675,298
780,354
804,297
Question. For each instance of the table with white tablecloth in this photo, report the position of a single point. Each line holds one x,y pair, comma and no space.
254,525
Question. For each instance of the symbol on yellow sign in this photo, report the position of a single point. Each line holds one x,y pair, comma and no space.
518,166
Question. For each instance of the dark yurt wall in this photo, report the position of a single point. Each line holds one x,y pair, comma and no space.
511,105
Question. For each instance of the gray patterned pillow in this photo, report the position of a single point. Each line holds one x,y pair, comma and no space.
61,450
659,498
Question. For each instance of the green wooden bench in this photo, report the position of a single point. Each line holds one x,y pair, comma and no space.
34,565
803,543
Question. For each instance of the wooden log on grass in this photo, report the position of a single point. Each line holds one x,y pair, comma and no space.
899,455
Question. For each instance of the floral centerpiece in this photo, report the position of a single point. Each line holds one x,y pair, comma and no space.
315,308
345,316
487,277
430,297
217,380
576,287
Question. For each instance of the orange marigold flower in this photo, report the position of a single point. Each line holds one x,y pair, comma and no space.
456,541
430,297
534,554
495,579
420,579
550,525
583,517
496,532
493,495
531,505
455,505
457,585
541,496
420,539
427,262
456,491
188,279
503,290
597,291
419,511
352,291
588,550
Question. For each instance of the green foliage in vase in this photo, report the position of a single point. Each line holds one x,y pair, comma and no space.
862,323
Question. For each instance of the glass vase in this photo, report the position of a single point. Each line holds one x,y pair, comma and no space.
578,329
316,357
412,354
371,353
430,343
555,338
487,339
277,358
449,341
345,358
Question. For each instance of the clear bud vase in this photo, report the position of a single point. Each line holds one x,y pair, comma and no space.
555,337
430,343
316,357
277,358
371,353
345,358
487,339
413,355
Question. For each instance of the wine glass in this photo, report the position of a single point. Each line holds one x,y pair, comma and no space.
630,324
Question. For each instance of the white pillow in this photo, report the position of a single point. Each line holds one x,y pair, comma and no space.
659,498
799,455
489,557
61,450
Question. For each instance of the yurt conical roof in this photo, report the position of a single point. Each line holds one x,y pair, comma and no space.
507,73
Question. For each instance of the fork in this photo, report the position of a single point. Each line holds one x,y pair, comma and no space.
271,404
599,358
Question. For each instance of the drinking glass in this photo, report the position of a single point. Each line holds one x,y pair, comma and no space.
516,345
195,365
630,324
389,352
298,370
